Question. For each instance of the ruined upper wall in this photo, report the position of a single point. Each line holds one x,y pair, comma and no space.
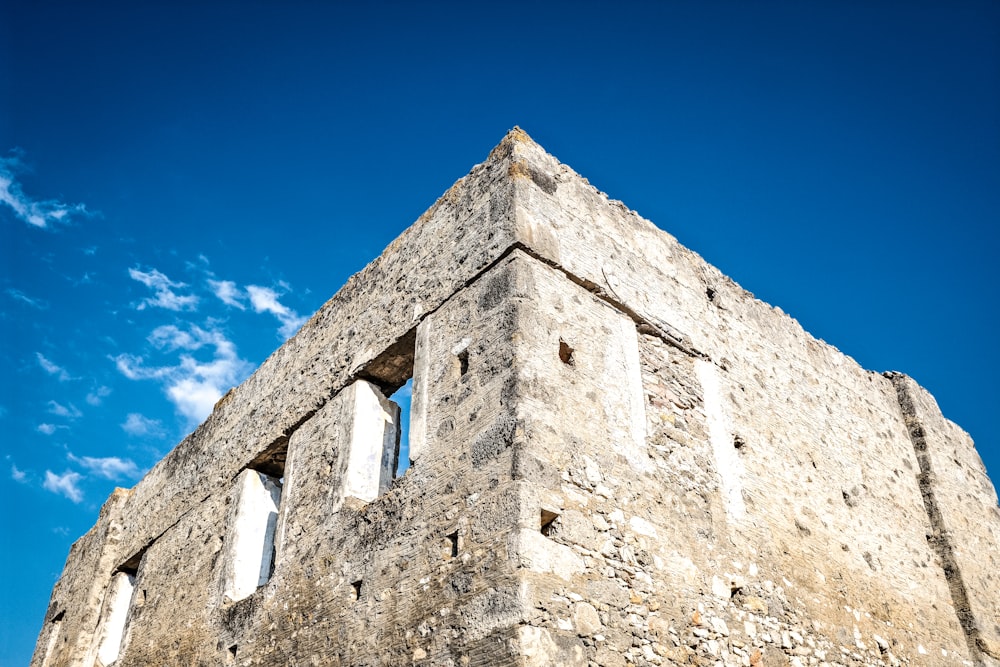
698,438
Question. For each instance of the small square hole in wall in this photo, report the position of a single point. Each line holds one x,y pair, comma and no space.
355,593
565,353
548,522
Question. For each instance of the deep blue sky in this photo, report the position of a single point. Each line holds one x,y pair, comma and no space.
839,159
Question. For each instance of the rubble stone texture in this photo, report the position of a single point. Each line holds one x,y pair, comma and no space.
619,457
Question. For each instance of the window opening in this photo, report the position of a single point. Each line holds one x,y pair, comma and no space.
54,632
403,398
392,372
450,545
565,353
356,590
548,522
252,534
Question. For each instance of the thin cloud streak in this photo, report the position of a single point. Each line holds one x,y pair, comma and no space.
37,213
59,410
227,292
18,295
265,300
110,467
53,369
164,295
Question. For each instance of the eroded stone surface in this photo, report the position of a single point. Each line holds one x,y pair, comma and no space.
619,457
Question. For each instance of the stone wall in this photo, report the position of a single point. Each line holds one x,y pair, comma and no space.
619,457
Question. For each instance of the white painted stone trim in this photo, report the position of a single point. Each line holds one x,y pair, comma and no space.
720,435
251,537
119,598
372,451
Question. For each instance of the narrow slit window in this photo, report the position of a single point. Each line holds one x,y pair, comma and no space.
355,593
403,397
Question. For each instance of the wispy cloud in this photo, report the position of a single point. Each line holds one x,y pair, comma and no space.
59,410
37,213
49,429
164,295
193,386
228,293
18,295
52,369
97,396
110,467
16,474
170,337
265,300
66,484
140,425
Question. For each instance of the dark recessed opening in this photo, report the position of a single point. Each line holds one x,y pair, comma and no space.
739,442
271,461
451,545
58,617
131,566
392,368
232,650
548,520
463,362
356,590
565,353
710,293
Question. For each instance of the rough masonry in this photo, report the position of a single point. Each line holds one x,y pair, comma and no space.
618,457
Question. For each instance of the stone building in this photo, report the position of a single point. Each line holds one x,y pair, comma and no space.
618,457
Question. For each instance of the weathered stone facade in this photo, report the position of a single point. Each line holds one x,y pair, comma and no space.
620,457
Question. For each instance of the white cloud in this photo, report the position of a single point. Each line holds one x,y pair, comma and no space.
52,369
97,396
110,467
139,425
265,299
17,475
36,213
171,337
228,293
65,484
192,385
60,410
163,288
48,429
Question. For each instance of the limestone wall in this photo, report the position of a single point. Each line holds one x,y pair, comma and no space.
620,457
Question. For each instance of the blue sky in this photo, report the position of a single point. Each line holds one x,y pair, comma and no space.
182,183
